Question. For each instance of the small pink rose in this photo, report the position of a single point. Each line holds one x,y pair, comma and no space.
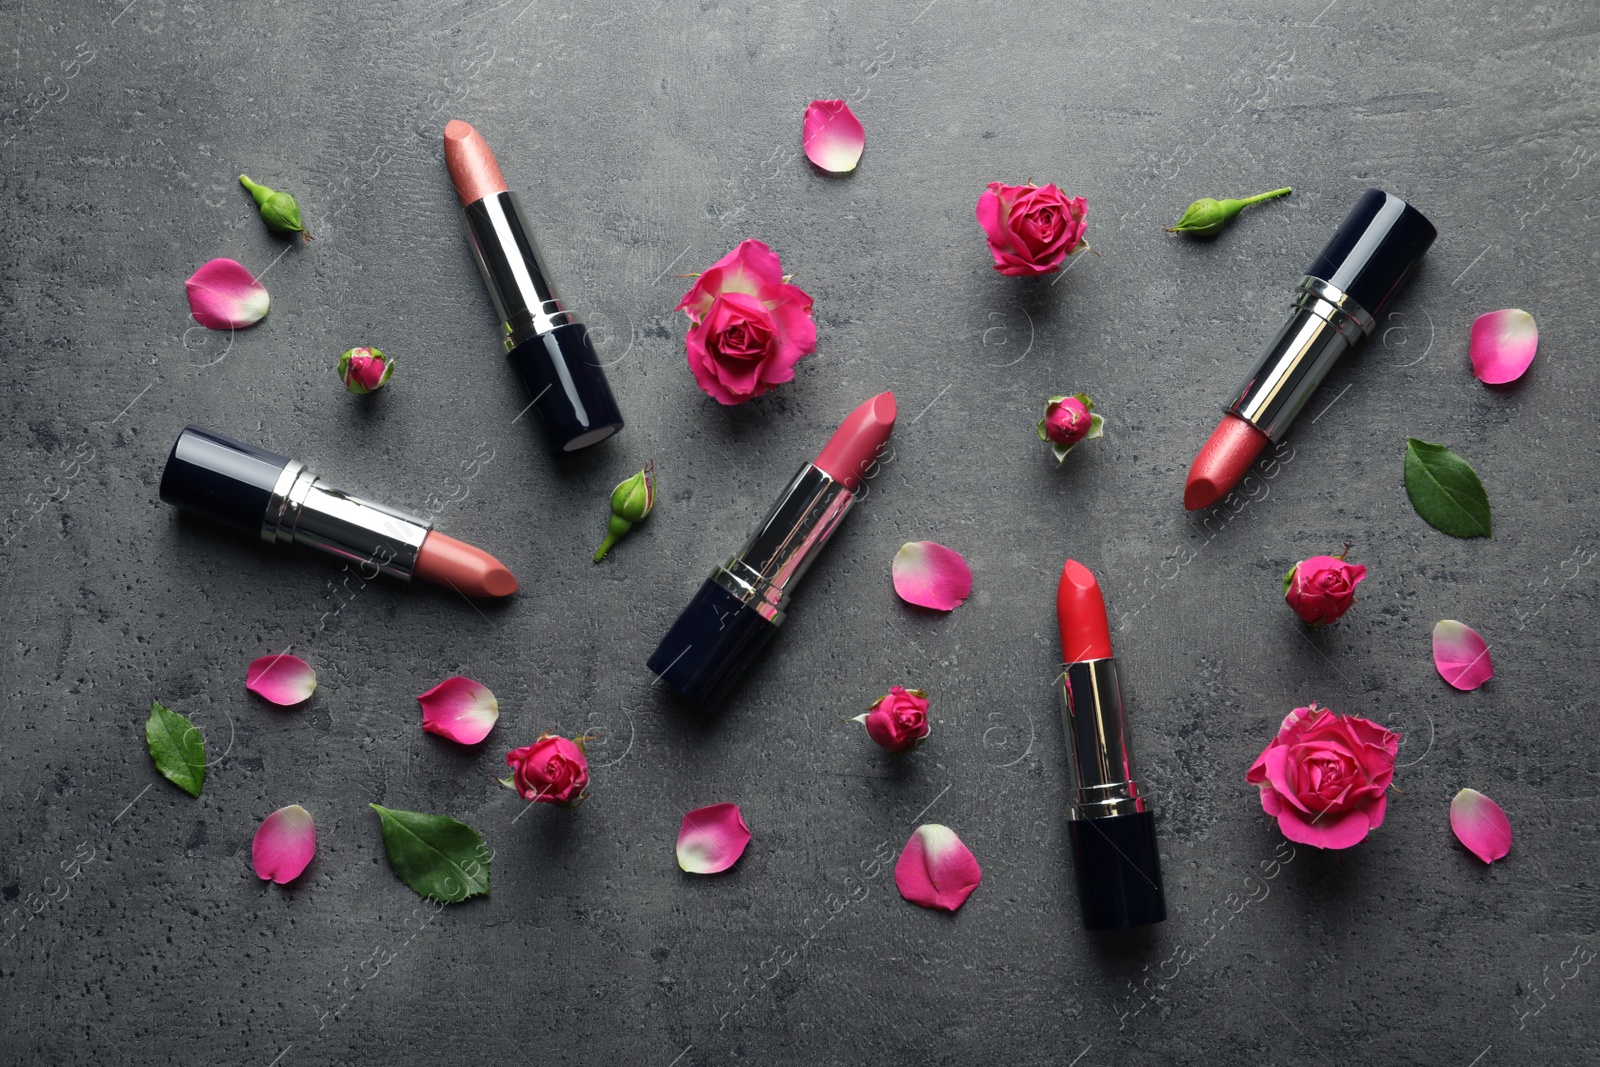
898,722
1067,421
1322,588
1031,230
552,770
364,369
1325,777
750,325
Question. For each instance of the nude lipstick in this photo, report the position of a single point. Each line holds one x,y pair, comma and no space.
1112,830
740,607
1338,302
266,495
548,347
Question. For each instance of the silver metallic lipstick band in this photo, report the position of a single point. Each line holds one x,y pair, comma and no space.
305,511
513,270
1324,323
1091,713
764,572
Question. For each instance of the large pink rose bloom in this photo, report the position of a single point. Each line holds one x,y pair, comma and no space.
750,326
1031,230
1325,777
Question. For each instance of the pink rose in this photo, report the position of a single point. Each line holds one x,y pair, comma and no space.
552,770
898,721
1325,777
364,369
750,325
1031,230
1322,588
1066,421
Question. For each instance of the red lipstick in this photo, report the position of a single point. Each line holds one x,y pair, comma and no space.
1336,306
548,348
1110,826
266,495
740,607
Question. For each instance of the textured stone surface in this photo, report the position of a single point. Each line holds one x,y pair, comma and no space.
648,138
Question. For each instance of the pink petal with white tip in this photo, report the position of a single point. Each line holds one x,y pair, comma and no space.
282,679
1481,825
712,839
833,135
935,869
1503,345
284,845
223,295
931,576
459,708
1461,656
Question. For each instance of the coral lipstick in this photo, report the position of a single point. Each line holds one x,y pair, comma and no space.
740,607
548,348
1348,286
277,499
1111,828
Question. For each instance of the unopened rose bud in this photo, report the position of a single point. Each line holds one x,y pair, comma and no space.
1206,217
278,210
1322,588
898,722
1067,421
631,502
364,369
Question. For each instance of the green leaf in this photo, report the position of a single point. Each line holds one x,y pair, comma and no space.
439,857
1445,490
177,748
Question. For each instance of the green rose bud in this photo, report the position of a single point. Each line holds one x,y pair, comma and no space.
278,210
1206,217
630,503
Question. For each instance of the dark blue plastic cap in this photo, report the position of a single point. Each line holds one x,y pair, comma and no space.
1374,250
572,400
1119,871
709,648
221,478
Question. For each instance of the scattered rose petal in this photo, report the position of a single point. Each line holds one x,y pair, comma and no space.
459,708
931,576
284,845
834,136
1461,655
712,839
282,679
1503,345
223,295
935,869
1481,825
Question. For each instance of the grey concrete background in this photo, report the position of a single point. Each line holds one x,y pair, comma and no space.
649,138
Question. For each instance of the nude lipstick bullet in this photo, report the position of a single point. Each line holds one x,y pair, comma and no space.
277,499
548,347
740,607
1112,830
1337,305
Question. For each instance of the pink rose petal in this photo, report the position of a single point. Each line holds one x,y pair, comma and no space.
459,708
1503,345
833,135
282,679
712,839
935,869
223,295
1481,825
1461,656
931,576
284,845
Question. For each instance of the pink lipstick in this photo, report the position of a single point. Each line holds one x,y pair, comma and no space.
266,495
740,607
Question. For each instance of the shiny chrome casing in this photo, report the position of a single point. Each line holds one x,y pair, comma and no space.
304,510
1102,766
513,270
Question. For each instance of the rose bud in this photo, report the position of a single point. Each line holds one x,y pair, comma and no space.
1206,217
898,722
630,503
552,770
278,210
364,369
1322,588
1031,230
1067,421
